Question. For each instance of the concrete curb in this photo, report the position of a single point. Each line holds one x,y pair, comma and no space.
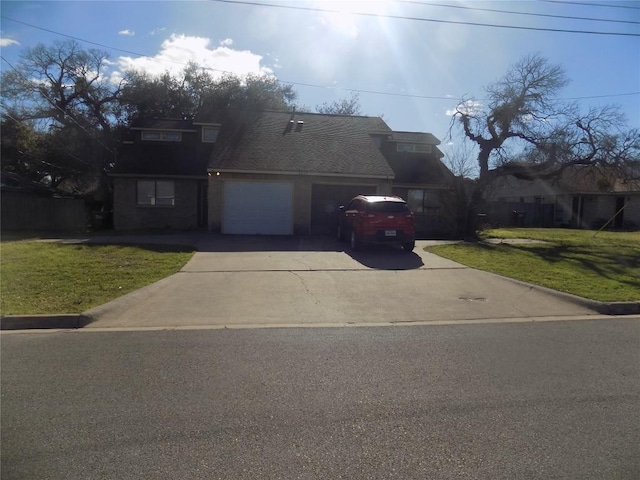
27,322
603,308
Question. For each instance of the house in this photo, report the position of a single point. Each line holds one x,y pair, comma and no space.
583,196
271,173
160,176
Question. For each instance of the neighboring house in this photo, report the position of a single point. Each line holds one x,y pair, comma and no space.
160,177
582,197
275,173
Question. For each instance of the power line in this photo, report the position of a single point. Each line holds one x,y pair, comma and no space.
605,5
422,19
565,17
301,84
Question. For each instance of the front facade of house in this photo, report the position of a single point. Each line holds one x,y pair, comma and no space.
289,173
277,173
160,177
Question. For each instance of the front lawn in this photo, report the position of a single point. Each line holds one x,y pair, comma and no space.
38,277
602,266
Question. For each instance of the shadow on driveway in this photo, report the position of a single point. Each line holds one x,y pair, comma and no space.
386,257
379,257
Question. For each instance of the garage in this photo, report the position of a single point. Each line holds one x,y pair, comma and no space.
325,201
258,208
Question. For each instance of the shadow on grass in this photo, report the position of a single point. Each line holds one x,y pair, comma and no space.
613,265
151,247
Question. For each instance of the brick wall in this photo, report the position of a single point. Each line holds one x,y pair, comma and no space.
129,216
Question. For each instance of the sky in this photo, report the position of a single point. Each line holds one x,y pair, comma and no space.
409,61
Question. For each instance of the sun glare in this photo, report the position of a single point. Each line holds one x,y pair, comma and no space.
342,16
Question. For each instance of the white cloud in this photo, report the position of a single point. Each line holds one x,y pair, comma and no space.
6,42
156,31
178,50
127,33
469,107
227,42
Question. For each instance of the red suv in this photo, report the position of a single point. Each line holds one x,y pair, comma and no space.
377,219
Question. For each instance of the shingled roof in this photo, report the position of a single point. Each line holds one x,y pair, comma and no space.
311,144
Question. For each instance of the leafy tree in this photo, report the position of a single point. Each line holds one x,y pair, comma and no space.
344,106
196,92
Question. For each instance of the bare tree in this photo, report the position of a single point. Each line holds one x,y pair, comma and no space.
64,84
63,93
520,107
460,158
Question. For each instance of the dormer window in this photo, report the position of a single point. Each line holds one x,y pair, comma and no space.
160,136
413,148
210,134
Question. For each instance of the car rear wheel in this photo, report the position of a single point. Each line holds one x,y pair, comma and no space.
355,242
409,246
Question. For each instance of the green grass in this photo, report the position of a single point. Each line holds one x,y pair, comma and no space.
603,266
39,277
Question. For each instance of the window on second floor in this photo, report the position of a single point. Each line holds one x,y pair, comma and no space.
159,136
210,134
413,148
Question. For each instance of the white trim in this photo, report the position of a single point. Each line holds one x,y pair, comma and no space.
301,174
151,175
162,134
207,124
153,129
423,186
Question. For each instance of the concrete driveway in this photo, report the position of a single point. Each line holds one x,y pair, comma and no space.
237,281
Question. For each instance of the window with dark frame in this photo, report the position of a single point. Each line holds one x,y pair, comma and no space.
210,134
423,201
158,136
155,193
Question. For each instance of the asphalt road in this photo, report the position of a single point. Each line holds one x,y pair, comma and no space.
495,401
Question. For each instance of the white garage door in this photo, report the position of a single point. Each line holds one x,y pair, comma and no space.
264,208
